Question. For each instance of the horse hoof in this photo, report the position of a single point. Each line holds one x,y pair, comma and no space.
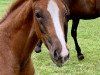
37,49
80,57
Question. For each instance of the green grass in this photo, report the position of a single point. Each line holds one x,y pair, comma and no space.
88,37
4,6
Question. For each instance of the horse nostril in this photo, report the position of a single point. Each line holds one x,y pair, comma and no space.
57,55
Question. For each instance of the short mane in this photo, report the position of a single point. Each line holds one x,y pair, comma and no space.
14,6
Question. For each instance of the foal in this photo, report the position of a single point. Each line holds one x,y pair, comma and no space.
79,9
27,22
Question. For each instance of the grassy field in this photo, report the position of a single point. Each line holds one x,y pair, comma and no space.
88,37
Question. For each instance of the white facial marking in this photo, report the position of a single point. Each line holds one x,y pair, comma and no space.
54,12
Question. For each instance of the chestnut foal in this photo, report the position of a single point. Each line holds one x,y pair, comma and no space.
27,22
79,9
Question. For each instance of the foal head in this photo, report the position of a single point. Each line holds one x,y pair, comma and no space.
49,25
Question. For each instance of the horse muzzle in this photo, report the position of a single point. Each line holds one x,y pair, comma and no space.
58,59
58,54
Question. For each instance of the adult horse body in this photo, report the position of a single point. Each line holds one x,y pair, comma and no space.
20,30
79,9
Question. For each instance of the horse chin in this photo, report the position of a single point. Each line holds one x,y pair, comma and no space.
59,63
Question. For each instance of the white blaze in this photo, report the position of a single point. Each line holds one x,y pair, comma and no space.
54,12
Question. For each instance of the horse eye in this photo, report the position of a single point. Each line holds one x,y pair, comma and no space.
37,15
66,14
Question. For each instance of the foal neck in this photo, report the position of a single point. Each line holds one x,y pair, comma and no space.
22,37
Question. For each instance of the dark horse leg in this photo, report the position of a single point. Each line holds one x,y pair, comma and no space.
74,35
38,47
